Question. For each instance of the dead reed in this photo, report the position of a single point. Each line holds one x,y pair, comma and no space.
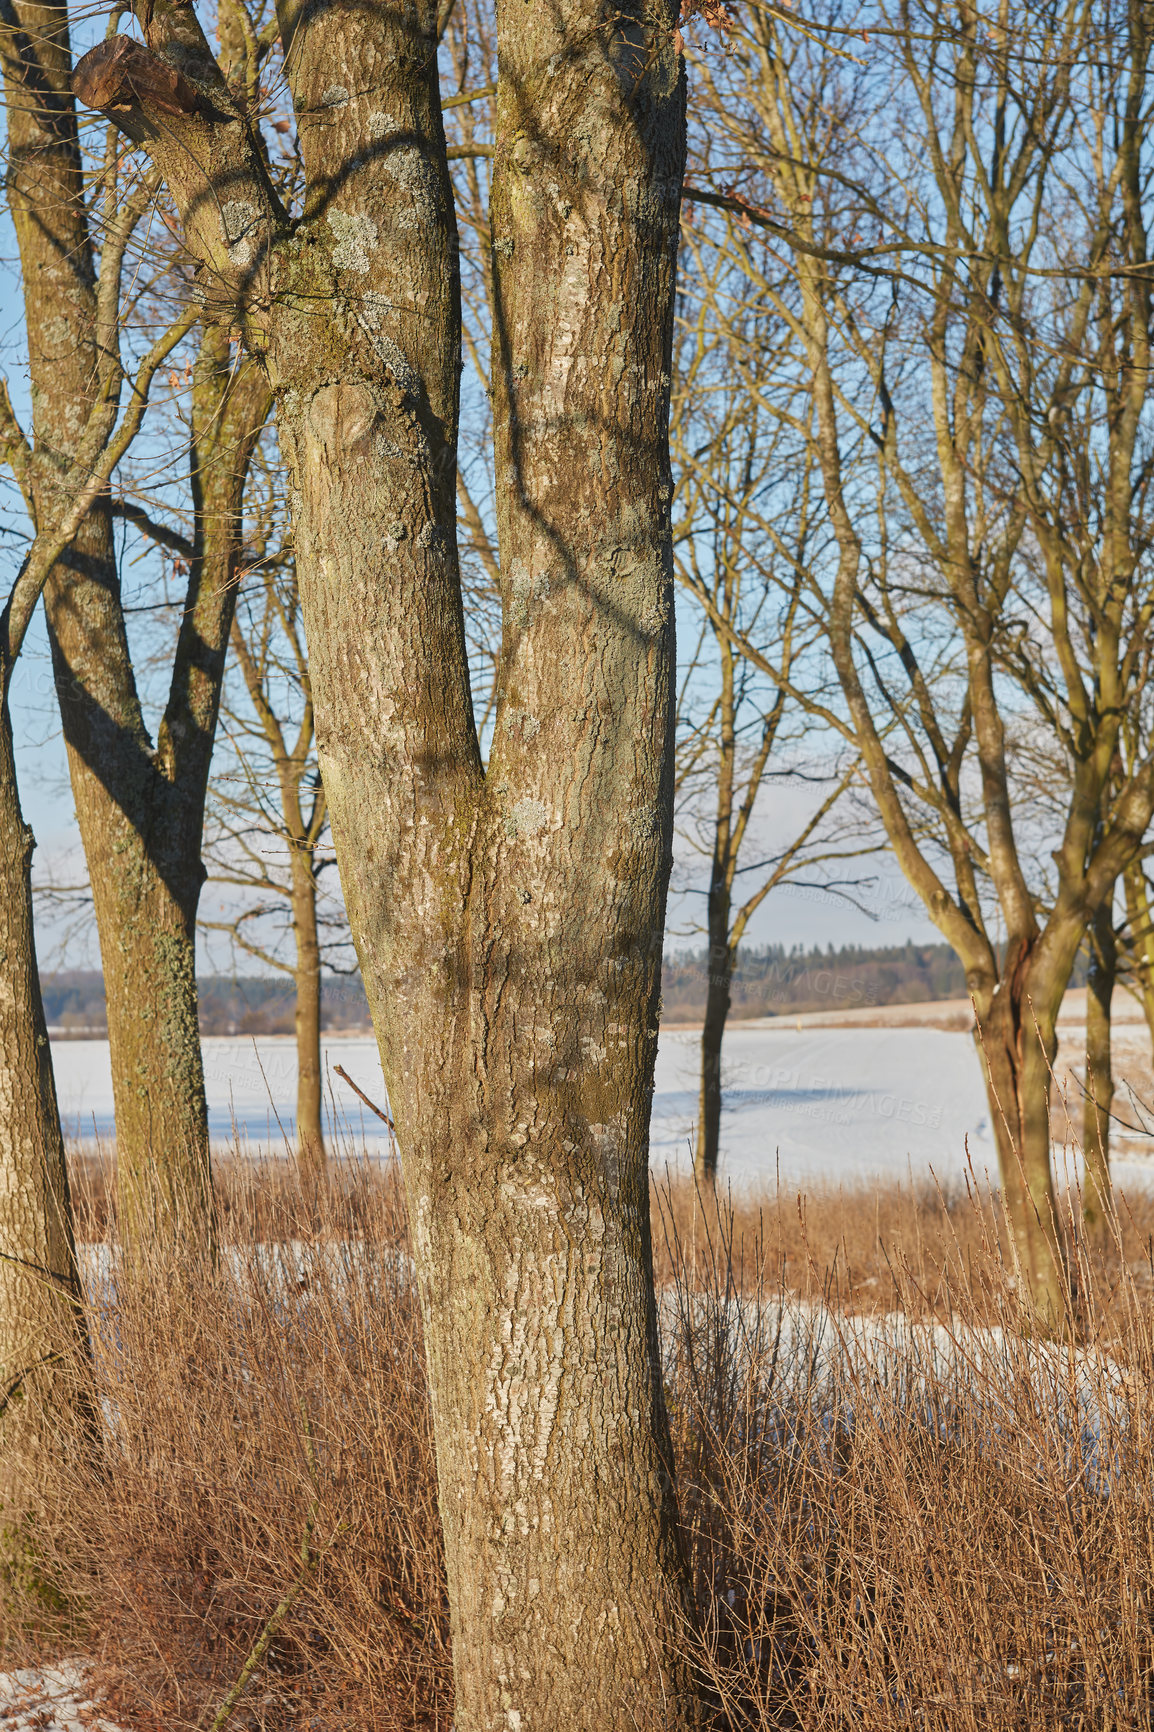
266,1441
904,1503
938,1517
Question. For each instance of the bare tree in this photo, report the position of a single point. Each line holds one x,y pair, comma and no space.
139,802
43,1399
268,833
971,299
1098,1101
748,526
508,918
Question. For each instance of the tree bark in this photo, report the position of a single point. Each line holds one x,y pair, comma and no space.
146,907
42,1334
717,997
307,982
1099,1086
1140,928
139,810
508,921
558,1499
1017,1041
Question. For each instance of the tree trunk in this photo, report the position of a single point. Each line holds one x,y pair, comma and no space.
157,1084
139,810
720,970
1018,1045
1140,923
509,925
42,1333
717,995
1099,1095
509,921
146,906
307,979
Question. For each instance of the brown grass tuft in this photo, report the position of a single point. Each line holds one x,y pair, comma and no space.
905,1503
267,1436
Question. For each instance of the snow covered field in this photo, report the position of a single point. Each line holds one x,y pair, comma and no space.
811,1102
829,1103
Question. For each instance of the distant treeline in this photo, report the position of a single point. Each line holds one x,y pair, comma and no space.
74,1004
775,981
772,981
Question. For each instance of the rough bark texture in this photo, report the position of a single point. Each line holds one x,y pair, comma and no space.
508,923
561,1519
1099,1084
1015,1032
139,808
42,1336
146,905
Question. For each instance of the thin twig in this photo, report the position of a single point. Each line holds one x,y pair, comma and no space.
372,1105
309,1562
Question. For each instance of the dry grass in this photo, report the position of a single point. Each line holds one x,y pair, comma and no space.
903,1504
267,1435
900,1519
866,1247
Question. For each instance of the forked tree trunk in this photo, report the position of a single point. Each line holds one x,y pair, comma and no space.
508,922
1099,1085
139,809
42,1334
307,981
146,906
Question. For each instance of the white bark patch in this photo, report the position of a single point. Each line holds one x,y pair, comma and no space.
528,1361
408,167
527,725
524,587
356,237
238,219
57,331
527,818
373,311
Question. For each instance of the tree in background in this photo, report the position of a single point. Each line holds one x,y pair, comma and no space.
981,424
268,833
43,1400
508,917
1098,1098
748,527
1137,937
139,802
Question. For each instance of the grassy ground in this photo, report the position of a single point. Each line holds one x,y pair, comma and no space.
904,1504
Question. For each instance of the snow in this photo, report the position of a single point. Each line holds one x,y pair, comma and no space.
803,1104
833,1104
50,1699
